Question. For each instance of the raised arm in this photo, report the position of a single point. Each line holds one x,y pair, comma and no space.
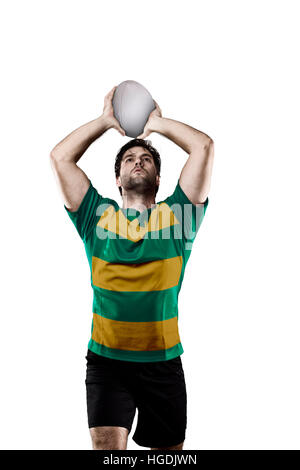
195,176
71,179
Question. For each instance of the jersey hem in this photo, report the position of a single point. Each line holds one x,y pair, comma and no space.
146,356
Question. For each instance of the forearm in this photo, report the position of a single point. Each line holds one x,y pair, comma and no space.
181,134
72,147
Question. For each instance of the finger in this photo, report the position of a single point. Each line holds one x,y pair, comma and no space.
122,132
111,92
156,104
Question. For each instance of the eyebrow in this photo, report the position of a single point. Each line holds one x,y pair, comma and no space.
143,154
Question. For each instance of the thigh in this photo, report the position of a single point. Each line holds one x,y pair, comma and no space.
109,438
162,404
109,401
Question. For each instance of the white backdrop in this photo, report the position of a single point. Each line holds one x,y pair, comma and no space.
229,69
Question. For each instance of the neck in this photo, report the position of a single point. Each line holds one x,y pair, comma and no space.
138,202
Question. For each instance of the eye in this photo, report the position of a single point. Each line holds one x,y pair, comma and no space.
129,158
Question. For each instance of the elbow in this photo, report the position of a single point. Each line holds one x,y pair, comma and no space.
52,155
211,149
55,156
54,159
209,143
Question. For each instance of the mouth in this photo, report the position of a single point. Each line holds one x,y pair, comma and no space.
138,170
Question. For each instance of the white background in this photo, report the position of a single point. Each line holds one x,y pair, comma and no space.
229,69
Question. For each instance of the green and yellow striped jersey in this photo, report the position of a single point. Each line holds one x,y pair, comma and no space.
137,262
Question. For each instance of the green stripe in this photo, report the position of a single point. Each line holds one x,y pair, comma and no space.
164,235
136,306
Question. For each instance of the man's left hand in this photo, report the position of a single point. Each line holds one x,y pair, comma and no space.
148,126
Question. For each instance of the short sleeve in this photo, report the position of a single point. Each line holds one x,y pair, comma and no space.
189,215
85,217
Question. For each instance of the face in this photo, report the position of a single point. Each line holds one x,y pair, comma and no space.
138,171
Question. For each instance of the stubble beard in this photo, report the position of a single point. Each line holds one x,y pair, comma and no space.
140,184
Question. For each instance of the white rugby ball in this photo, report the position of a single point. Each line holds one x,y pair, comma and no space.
132,104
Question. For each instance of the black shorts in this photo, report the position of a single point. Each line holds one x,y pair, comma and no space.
115,389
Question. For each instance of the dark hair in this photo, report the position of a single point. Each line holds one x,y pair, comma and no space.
147,144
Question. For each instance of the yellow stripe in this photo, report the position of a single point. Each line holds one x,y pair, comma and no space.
135,336
160,217
151,276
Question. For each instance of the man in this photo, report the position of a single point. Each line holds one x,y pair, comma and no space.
137,255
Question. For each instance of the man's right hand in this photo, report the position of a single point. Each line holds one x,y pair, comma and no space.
108,112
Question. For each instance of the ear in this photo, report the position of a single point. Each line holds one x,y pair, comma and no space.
118,181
